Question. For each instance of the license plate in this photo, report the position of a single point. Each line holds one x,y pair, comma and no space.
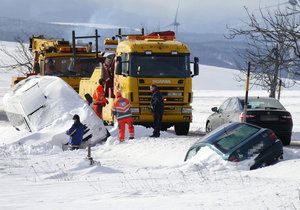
269,118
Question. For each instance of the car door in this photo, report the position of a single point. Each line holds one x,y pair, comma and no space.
219,118
231,112
250,149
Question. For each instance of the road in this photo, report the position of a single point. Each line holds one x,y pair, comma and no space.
295,144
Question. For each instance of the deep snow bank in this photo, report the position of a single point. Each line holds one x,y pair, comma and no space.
208,160
45,106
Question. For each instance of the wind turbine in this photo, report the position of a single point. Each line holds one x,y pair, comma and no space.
175,23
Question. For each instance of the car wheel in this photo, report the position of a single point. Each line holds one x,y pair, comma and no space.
261,164
286,140
208,127
258,165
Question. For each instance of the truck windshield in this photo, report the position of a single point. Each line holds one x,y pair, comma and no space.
68,66
159,65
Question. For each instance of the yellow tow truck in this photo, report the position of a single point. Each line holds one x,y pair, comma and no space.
142,60
69,61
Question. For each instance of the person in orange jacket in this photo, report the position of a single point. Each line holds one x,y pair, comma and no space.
122,111
99,100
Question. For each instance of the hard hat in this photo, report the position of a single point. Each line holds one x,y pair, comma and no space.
118,93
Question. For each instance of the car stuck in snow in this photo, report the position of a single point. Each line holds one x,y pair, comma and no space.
46,101
240,141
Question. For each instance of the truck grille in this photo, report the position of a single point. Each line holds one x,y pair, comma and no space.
171,95
161,88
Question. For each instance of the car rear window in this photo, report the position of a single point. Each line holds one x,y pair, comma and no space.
232,138
264,103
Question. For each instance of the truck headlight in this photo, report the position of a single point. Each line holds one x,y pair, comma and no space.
174,94
135,110
186,110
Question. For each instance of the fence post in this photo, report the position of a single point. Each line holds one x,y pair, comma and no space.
89,157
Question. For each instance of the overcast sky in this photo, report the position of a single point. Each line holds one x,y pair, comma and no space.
194,15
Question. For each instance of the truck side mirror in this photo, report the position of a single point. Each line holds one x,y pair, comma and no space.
118,65
196,66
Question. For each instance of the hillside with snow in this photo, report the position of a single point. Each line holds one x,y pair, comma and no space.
213,48
144,173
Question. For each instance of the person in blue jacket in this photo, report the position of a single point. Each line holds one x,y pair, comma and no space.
76,133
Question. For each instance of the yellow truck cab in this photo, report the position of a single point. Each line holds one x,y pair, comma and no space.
57,57
159,59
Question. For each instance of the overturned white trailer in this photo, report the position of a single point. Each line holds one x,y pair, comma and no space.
39,102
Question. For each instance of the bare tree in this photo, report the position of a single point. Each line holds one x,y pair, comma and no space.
20,59
269,48
292,31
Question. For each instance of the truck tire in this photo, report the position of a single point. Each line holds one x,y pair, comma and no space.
182,128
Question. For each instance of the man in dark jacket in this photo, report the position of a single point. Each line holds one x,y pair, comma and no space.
76,133
157,107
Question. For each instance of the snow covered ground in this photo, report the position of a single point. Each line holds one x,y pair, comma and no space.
145,173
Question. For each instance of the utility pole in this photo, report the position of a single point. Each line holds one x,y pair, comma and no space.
246,94
279,88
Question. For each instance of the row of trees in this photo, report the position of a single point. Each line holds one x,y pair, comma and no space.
273,47
19,59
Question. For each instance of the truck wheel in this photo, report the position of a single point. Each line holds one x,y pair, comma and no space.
182,128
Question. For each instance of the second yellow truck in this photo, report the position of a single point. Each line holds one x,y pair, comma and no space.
58,57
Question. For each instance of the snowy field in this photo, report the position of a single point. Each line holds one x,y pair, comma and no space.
146,173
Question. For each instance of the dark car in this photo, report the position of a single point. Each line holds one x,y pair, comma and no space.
261,111
241,141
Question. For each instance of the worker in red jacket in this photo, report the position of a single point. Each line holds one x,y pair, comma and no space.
99,99
122,111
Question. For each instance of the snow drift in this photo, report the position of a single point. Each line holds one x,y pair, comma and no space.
48,103
143,173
